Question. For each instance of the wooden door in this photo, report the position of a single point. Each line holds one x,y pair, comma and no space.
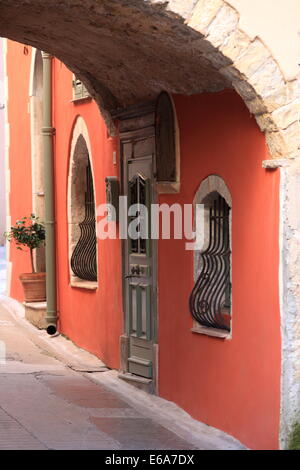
138,157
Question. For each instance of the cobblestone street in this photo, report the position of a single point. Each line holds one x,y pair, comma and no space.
56,396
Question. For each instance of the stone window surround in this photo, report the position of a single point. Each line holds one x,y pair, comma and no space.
36,124
171,187
213,183
80,129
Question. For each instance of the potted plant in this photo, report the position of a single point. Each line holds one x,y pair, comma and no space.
30,233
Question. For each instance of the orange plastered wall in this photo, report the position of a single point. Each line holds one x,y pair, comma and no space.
231,384
92,319
20,197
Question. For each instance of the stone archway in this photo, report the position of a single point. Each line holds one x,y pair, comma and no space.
180,46
188,47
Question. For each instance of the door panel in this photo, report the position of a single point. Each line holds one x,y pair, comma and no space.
138,175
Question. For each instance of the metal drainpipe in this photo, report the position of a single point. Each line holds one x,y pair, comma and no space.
48,132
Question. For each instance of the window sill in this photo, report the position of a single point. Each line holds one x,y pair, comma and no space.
214,332
81,100
36,305
82,284
167,187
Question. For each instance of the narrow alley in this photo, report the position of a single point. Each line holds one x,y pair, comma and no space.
149,225
56,396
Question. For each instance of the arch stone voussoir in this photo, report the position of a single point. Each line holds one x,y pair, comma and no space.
203,14
130,51
253,73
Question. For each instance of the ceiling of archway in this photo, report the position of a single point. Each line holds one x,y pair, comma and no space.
126,52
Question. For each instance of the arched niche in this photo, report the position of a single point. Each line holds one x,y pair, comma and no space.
83,263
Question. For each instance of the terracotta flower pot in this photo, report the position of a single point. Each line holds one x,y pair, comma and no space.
34,285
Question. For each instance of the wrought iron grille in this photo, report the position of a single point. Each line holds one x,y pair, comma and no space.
210,300
83,260
137,196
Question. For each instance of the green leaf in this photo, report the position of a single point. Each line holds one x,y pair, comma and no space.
27,232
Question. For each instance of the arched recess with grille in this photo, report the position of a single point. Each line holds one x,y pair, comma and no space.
211,297
83,263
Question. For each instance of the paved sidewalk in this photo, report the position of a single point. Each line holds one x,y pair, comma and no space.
2,269
54,395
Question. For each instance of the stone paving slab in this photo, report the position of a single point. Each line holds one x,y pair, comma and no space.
168,414
44,404
61,416
14,436
79,391
141,434
55,422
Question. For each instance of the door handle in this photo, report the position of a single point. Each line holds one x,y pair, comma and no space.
135,271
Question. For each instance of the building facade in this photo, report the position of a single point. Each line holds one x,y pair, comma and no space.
213,330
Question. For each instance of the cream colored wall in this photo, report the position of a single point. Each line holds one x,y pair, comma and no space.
277,23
